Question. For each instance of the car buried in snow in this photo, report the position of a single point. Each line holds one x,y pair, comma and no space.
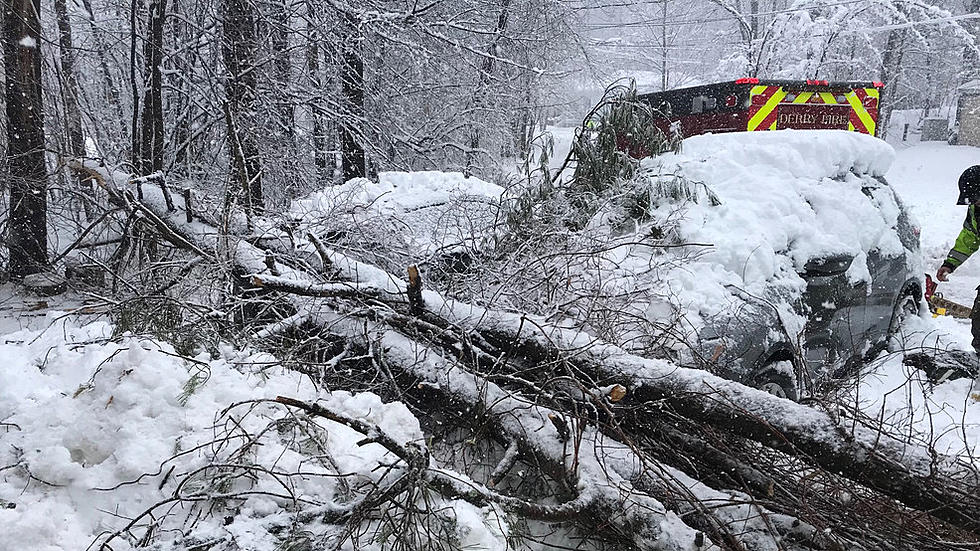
814,260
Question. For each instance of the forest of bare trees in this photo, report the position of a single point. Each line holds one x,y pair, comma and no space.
271,98
153,147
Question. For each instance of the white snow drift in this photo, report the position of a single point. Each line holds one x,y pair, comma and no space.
96,432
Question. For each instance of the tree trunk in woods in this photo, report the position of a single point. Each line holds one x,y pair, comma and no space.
27,175
971,65
112,90
352,158
523,120
481,96
891,67
665,52
280,49
151,140
183,33
73,116
238,45
316,88
69,82
135,87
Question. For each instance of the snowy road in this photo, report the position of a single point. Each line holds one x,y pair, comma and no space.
926,176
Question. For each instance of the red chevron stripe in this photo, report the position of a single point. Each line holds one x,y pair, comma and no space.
857,122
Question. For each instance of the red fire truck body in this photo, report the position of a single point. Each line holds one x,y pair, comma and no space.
749,104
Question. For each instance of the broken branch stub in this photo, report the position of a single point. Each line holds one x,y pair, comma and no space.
415,302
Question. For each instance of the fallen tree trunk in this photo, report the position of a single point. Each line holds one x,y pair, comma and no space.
637,516
595,460
945,487
909,473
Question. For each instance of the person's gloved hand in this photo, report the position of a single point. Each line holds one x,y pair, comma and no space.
943,273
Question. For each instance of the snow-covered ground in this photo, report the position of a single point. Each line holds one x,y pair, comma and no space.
925,174
98,429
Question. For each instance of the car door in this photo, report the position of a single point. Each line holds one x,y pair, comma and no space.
888,264
835,308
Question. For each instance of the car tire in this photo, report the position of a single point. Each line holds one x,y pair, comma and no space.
905,307
776,381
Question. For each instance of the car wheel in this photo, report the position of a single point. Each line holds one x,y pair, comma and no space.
907,306
777,379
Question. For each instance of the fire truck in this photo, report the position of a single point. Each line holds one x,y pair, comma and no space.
750,104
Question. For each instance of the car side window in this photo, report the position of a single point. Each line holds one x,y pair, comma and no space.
907,232
700,104
904,226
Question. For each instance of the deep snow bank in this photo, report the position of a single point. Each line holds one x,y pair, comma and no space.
94,432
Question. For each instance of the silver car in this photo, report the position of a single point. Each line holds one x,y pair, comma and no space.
845,322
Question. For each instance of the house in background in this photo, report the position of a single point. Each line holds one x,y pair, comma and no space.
968,114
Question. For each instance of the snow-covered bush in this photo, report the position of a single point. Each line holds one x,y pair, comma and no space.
436,220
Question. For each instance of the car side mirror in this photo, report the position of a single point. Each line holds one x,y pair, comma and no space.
828,265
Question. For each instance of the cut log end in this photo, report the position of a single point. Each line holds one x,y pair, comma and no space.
617,393
415,302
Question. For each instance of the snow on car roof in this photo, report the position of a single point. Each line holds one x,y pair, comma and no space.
786,197
801,153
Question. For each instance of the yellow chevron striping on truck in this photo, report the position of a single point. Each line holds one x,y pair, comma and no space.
766,101
861,110
828,98
803,97
768,109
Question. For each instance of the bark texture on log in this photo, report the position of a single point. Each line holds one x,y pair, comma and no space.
26,173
